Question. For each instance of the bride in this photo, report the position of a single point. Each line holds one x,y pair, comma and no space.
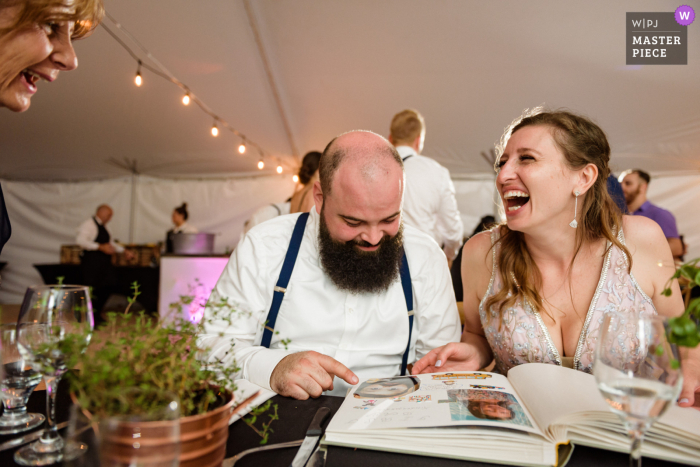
537,286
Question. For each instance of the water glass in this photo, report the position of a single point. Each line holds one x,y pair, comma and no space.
55,322
637,372
16,386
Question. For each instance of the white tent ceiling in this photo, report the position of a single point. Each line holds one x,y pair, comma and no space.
469,66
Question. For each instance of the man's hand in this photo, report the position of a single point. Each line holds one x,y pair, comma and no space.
456,356
305,374
106,248
129,255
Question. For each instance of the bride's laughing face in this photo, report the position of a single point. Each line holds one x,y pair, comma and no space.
30,54
534,181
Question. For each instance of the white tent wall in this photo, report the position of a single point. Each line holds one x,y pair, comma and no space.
45,215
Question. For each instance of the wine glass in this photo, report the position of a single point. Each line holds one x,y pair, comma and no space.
55,323
17,385
637,372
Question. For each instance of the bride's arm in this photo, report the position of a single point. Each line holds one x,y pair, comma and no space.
473,351
652,266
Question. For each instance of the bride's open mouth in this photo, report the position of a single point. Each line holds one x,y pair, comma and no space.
515,199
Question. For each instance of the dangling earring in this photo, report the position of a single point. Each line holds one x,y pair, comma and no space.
573,223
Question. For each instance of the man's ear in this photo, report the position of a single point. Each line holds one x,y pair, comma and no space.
318,196
416,143
643,187
391,139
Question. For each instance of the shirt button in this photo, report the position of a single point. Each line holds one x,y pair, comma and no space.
350,310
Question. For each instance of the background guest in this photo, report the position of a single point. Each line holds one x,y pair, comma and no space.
303,200
616,193
98,248
635,185
265,213
180,216
429,201
485,223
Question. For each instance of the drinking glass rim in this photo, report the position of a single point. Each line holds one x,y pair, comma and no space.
637,316
68,287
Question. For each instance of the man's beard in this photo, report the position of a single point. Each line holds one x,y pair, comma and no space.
632,195
358,271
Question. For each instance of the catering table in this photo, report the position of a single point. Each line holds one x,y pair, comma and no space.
295,417
146,276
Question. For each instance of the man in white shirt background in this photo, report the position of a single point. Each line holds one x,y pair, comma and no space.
98,248
365,296
429,202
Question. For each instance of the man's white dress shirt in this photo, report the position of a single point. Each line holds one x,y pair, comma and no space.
366,332
185,228
429,200
87,233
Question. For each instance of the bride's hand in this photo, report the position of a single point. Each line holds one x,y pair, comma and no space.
456,356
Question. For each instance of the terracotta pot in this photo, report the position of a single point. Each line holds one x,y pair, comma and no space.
202,439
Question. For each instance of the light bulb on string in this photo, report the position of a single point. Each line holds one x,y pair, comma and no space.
138,80
241,147
186,99
279,169
261,164
295,178
214,130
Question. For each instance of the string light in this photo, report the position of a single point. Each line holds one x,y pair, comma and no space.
295,178
138,80
157,68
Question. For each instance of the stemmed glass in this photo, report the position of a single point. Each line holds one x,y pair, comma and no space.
55,322
637,372
16,386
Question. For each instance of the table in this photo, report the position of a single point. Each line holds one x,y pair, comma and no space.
147,277
295,416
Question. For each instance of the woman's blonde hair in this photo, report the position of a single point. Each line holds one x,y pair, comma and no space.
581,142
87,14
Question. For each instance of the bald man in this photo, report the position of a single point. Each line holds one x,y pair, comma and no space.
98,248
357,293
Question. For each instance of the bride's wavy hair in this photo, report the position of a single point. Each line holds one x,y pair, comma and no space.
581,142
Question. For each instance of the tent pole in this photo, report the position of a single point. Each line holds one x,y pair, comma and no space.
132,210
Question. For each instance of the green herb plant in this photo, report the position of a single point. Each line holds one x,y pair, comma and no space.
683,330
157,355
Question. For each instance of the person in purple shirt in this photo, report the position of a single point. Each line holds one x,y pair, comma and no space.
634,186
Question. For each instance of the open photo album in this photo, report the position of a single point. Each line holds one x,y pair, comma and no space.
534,416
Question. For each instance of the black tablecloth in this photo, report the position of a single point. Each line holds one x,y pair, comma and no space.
147,277
295,416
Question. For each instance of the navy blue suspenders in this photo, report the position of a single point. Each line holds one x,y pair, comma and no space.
286,273
283,281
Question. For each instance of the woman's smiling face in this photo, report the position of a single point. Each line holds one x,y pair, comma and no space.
534,181
35,52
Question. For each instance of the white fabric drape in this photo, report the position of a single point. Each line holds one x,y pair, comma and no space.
46,215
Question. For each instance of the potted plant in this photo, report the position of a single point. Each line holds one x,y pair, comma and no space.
683,330
138,351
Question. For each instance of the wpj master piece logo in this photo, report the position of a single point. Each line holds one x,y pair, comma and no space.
659,38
